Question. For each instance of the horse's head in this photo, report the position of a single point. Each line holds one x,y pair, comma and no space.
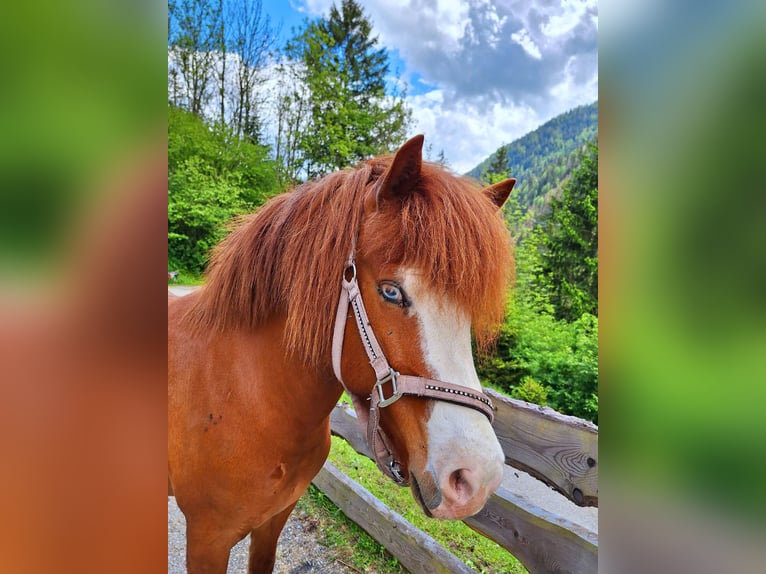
432,263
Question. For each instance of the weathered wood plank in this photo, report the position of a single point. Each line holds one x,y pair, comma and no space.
543,542
415,549
343,423
560,450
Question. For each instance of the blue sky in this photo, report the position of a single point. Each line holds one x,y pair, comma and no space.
481,73
282,12
290,14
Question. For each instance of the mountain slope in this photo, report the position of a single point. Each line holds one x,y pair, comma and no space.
543,159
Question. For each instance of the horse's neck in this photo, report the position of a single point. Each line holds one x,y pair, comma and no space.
310,393
251,368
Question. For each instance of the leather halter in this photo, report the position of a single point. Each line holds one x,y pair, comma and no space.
401,385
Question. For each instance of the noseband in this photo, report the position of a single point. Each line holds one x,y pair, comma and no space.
401,385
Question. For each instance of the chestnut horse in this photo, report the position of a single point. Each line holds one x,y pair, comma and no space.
258,357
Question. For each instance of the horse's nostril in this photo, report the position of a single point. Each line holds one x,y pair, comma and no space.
461,485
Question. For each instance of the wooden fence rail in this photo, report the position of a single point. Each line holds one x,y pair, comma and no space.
561,451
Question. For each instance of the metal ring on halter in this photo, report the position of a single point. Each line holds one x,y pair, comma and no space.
395,396
350,265
393,466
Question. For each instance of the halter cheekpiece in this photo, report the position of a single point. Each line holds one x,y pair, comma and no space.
401,385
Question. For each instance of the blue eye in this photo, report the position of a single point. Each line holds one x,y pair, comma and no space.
392,293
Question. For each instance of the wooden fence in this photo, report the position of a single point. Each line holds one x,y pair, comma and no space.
561,451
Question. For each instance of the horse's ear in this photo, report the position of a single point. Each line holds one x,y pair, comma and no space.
499,192
403,174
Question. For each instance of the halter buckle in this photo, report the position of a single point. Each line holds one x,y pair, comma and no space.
395,396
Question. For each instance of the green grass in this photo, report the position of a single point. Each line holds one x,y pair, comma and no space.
348,542
185,278
480,553
355,547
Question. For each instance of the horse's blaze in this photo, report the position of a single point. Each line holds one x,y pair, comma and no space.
464,462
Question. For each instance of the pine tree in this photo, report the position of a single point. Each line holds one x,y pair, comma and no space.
498,168
351,116
569,247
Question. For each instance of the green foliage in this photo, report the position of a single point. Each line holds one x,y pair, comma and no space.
547,350
563,355
531,391
544,360
569,250
212,177
350,116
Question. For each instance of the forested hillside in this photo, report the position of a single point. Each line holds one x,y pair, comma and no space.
542,161
547,351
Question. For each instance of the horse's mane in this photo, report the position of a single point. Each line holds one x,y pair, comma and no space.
287,258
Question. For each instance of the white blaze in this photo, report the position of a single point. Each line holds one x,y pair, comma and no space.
458,437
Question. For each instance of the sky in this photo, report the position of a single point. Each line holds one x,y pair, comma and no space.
480,73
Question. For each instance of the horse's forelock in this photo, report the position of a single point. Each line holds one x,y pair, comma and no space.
456,238
287,258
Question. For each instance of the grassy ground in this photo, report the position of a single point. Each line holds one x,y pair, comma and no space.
356,548
350,544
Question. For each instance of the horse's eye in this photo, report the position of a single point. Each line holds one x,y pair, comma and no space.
392,293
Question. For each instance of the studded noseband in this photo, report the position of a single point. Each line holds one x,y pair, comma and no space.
401,385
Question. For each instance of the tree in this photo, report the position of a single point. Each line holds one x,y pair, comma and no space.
217,52
213,175
499,167
545,360
350,116
221,45
569,248
547,349
251,39
293,116
194,34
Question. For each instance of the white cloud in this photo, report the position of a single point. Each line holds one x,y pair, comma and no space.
467,132
498,68
564,20
572,92
523,39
